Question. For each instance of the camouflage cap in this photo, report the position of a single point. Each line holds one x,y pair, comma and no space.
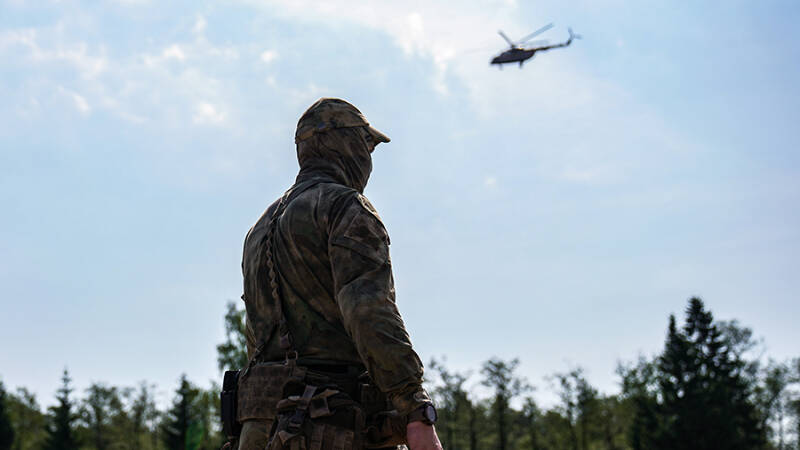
331,113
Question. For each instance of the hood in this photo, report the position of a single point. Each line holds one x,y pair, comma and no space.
341,153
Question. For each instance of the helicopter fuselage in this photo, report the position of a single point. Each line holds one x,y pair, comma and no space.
519,54
514,55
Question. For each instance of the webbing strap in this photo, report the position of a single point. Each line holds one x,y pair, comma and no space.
285,334
299,416
317,436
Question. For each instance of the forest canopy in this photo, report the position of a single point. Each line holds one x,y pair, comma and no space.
709,388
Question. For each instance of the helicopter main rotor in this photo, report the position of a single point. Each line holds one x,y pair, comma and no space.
526,38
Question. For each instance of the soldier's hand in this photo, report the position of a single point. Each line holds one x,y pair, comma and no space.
421,436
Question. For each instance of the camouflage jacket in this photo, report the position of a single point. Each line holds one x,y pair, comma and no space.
335,279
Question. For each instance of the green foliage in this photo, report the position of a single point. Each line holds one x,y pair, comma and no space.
590,419
697,394
639,395
61,430
499,375
532,424
705,390
584,419
6,428
27,420
454,408
773,399
232,354
143,417
178,433
101,415
191,422
208,411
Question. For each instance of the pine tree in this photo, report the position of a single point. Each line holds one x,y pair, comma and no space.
180,427
705,399
61,430
6,430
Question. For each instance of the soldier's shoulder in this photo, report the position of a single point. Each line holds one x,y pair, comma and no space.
260,226
333,190
340,197
367,205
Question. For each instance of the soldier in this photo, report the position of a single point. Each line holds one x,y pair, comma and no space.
321,313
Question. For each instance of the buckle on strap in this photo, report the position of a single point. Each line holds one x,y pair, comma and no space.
299,415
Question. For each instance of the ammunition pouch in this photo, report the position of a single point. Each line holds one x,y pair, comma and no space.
230,426
312,409
261,388
319,418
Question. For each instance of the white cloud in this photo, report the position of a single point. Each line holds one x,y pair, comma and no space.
268,56
458,40
25,37
77,54
173,52
206,113
490,182
79,102
199,24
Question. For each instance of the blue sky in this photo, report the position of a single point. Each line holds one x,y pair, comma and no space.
557,213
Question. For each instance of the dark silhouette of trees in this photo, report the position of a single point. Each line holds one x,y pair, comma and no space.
639,393
532,415
101,414
27,419
207,407
580,405
61,430
454,409
708,388
143,418
499,375
232,354
6,429
182,426
773,399
705,398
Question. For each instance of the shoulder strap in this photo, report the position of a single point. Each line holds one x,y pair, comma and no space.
283,327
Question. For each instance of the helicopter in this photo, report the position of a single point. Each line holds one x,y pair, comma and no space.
520,54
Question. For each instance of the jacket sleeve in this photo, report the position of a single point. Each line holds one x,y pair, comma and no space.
364,288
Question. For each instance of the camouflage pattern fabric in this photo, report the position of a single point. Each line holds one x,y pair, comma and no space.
332,253
332,113
254,435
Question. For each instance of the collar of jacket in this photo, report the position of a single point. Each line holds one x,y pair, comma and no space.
325,172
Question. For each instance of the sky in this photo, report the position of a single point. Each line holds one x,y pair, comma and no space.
557,213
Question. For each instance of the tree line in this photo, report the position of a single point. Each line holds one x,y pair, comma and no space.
110,417
709,388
